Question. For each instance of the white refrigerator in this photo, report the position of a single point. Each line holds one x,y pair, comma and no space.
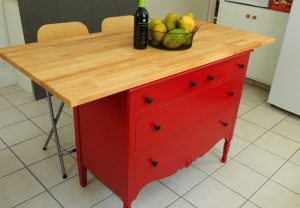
285,89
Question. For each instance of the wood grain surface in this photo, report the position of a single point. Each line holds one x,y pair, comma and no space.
82,69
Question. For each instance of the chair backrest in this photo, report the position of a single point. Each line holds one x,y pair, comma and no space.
118,24
61,30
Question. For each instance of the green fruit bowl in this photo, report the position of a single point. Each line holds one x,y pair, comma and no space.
173,40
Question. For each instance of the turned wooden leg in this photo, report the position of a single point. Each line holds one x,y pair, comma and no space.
82,172
225,150
127,205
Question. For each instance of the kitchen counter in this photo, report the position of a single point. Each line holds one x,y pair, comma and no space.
83,69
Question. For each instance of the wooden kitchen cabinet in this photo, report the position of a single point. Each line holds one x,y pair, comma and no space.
134,137
263,61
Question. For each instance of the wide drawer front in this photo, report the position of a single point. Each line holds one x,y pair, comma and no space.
158,123
186,83
179,150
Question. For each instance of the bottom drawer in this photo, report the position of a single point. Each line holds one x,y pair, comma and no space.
181,149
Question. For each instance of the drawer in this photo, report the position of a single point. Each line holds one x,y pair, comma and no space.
158,123
155,93
222,70
186,83
181,149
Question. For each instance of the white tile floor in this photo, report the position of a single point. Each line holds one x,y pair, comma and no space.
263,170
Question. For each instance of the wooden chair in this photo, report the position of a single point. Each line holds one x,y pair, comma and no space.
118,24
52,32
61,30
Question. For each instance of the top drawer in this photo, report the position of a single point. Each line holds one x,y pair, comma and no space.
185,83
216,72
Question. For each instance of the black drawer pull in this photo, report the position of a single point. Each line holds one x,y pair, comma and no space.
149,100
224,124
211,78
193,84
154,163
241,66
230,94
156,127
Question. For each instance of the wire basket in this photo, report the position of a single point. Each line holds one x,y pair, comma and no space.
171,41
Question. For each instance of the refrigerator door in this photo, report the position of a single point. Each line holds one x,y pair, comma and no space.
285,90
258,3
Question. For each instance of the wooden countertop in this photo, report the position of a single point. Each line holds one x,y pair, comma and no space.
83,69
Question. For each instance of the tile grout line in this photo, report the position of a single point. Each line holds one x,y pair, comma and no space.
270,179
28,167
25,167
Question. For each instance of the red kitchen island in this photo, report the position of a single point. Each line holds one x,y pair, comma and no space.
143,115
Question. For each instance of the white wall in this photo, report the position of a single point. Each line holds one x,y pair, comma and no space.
160,8
7,75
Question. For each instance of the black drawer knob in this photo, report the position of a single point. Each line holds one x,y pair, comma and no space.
193,84
224,124
149,100
154,163
156,127
211,78
241,66
230,94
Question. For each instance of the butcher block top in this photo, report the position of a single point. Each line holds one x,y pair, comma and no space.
82,69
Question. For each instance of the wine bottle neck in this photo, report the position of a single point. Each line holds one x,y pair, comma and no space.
142,3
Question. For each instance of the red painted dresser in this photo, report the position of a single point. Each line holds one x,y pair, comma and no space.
149,132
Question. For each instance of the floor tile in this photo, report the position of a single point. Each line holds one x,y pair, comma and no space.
243,108
71,194
8,162
246,85
181,203
43,200
260,160
254,95
184,180
261,118
293,119
247,130
10,116
35,108
4,103
154,195
273,110
48,171
20,97
289,130
210,162
277,144
240,178
249,205
296,158
10,89
211,193
67,136
2,145
289,177
32,151
111,202
44,121
18,187
236,146
272,195
19,132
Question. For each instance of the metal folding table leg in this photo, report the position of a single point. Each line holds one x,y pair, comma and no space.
54,121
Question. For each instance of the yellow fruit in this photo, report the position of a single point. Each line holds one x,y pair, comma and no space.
171,21
187,21
153,22
175,38
159,32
